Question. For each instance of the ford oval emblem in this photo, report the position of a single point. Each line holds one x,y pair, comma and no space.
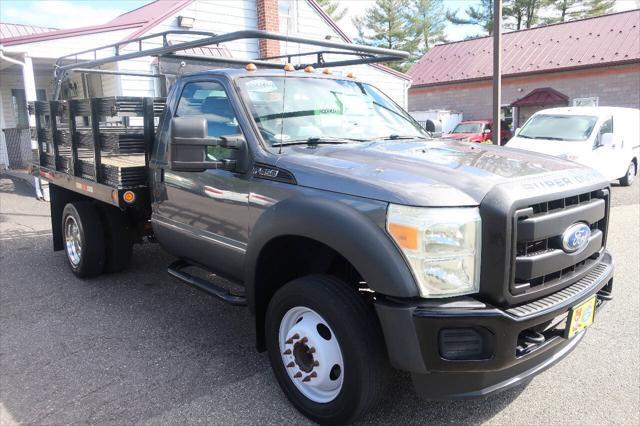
576,237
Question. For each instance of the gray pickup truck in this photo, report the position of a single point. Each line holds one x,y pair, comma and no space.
359,243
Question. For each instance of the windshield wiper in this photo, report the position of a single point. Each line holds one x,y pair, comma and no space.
397,137
319,140
549,138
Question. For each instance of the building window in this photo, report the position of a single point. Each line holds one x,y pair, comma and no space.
506,115
287,12
591,101
19,106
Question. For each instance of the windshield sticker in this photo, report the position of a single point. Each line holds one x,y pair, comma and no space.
262,85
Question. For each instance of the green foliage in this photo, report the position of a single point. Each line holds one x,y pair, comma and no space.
332,7
519,14
597,8
427,23
481,15
385,25
564,10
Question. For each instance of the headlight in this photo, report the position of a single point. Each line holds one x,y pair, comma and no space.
442,245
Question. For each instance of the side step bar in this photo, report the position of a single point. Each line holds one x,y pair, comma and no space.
176,269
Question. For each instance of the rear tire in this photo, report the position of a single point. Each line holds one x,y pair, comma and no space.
118,240
628,179
83,239
347,332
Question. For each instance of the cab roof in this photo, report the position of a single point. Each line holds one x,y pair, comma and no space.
582,110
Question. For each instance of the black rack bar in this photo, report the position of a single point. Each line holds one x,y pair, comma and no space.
369,54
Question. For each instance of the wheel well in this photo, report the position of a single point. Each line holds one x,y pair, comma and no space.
286,258
635,161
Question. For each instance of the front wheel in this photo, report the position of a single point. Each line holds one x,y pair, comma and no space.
326,349
628,179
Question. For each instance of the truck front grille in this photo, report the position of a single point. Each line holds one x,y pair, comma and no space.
538,261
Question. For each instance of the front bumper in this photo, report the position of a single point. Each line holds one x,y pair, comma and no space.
412,335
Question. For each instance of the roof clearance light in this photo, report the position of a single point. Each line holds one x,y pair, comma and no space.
250,67
289,67
327,71
309,68
350,75
129,197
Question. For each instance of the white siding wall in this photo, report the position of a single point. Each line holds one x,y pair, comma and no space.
216,16
12,79
64,46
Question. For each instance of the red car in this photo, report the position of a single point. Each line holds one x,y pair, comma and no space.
478,131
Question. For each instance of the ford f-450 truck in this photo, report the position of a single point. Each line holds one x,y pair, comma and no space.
359,243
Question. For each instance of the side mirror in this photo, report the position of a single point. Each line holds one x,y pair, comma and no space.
189,142
486,131
610,140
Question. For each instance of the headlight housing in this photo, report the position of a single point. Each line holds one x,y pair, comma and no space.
442,246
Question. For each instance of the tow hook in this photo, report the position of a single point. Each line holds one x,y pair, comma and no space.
605,295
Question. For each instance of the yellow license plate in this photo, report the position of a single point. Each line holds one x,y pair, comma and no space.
581,317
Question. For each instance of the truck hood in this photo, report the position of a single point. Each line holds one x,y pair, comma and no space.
418,172
461,136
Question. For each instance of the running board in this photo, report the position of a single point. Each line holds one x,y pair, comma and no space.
208,287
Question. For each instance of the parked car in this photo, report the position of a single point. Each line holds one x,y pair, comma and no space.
478,131
604,138
355,247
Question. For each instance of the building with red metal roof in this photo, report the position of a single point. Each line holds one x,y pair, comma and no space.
594,61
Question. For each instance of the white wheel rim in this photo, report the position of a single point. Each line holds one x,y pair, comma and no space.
73,240
311,354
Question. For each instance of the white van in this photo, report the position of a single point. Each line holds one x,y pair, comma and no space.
605,138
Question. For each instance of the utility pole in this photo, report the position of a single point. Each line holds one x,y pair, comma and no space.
497,69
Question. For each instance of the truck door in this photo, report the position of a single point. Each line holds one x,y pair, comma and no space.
203,215
608,160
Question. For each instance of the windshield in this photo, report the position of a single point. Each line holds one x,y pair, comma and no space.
468,128
559,127
315,109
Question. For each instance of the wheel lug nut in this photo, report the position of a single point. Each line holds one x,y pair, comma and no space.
291,364
312,350
287,352
310,376
292,338
316,363
304,340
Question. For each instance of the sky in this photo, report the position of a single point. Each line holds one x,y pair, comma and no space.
81,13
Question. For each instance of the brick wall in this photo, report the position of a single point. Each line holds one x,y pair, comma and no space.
268,19
614,86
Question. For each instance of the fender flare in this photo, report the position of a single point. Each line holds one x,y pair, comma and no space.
342,228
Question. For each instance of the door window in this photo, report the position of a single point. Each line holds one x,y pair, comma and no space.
208,99
607,127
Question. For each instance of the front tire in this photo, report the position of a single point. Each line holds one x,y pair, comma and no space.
83,239
628,179
326,349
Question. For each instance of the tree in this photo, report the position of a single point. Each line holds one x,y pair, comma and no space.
481,15
385,25
597,8
566,9
332,9
519,14
427,21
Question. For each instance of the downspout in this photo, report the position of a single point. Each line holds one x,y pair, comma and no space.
29,82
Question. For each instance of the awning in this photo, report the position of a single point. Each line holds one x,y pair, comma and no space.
545,96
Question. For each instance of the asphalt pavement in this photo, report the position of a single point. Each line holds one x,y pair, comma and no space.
140,347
